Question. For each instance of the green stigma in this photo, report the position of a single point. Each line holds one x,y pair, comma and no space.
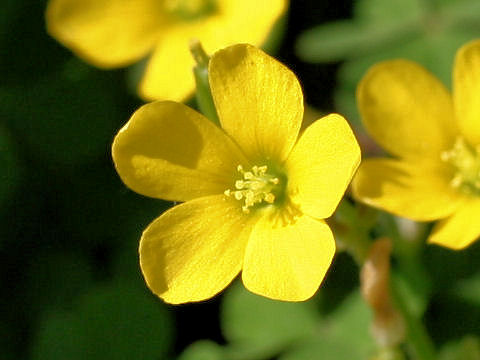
256,187
189,10
466,161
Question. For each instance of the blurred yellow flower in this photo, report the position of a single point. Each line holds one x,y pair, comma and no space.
254,196
434,139
115,33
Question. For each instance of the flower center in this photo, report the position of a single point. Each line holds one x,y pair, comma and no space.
189,10
466,161
256,187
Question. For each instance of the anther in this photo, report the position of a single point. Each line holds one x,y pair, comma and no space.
257,186
465,159
239,184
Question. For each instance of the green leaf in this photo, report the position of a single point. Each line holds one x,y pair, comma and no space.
460,14
111,322
345,39
344,335
378,12
327,348
469,289
467,348
264,325
203,350
435,51
377,24
59,337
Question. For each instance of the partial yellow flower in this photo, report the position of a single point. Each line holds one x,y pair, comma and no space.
116,33
255,195
434,140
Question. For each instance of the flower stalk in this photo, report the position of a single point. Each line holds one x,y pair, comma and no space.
203,94
394,323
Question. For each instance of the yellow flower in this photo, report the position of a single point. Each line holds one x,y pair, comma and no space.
116,33
434,139
254,196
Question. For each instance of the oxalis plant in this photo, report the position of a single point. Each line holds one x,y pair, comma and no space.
268,204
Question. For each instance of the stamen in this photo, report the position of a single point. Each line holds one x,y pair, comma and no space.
257,186
466,161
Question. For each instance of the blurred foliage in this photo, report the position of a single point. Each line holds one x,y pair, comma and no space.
115,321
11,167
467,348
256,325
426,31
58,109
259,328
71,284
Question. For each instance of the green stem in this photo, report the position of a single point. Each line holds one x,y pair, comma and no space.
356,239
200,72
417,335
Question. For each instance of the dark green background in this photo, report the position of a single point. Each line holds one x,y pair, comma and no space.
69,275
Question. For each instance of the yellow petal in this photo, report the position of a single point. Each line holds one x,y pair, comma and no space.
195,249
258,100
169,151
459,230
168,75
287,261
234,21
406,109
106,33
419,191
248,21
321,166
466,82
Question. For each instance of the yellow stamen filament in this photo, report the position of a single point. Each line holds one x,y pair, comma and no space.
466,161
255,187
